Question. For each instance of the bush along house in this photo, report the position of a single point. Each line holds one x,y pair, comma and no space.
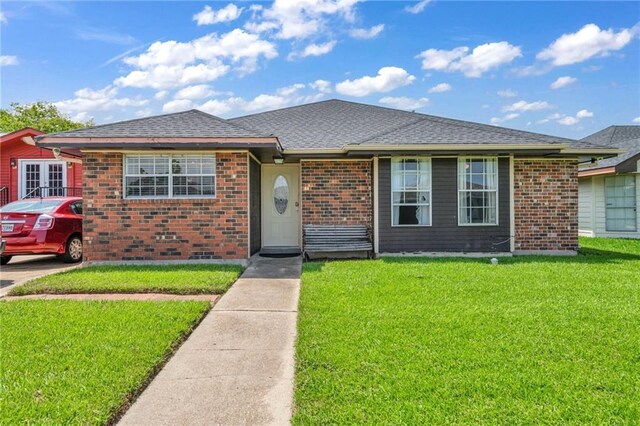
191,186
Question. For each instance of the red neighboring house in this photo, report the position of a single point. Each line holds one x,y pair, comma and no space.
24,168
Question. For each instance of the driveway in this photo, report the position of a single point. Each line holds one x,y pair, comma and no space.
24,268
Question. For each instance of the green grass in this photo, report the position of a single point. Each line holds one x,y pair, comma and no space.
71,362
533,340
176,279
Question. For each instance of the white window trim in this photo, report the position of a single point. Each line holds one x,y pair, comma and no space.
428,159
497,190
170,195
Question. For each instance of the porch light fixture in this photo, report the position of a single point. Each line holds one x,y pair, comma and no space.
69,164
12,163
278,160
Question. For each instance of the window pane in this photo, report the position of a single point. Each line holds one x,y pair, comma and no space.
411,186
477,186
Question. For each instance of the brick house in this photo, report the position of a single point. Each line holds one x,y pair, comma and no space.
191,186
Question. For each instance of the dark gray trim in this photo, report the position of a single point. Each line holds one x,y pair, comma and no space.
158,145
444,234
255,203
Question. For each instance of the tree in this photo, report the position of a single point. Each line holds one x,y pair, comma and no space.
43,116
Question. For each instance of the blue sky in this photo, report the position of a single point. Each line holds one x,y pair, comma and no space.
563,68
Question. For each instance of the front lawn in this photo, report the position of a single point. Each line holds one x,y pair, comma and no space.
550,340
177,279
70,362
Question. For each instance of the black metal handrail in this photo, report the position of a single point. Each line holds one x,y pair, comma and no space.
4,195
54,191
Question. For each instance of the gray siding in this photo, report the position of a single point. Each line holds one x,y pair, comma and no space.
254,202
444,234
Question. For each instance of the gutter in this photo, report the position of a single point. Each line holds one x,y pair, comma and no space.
57,153
562,148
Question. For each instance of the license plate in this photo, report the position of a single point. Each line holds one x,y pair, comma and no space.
7,227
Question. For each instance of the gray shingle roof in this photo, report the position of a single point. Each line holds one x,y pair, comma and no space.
185,124
335,123
625,137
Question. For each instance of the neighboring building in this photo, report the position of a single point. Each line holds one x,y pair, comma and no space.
193,186
25,169
610,189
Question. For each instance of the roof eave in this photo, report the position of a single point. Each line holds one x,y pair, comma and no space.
157,142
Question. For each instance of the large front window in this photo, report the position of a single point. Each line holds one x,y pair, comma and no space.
411,191
478,191
170,176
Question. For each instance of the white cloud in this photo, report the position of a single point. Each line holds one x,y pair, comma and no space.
563,82
208,16
300,19
583,113
81,116
283,97
160,95
88,100
523,106
198,91
388,79
364,33
508,93
290,90
171,64
322,86
3,18
165,77
481,59
177,105
418,7
507,117
440,88
586,43
636,120
8,60
568,121
405,103
314,50
146,112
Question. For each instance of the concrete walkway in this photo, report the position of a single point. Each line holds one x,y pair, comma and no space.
237,366
26,268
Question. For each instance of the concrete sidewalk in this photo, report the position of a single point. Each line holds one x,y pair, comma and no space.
237,366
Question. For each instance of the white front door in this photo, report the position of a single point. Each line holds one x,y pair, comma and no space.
50,175
280,205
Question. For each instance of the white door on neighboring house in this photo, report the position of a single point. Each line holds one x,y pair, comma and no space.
620,199
280,206
49,175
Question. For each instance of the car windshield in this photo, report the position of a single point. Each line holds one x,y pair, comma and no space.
31,206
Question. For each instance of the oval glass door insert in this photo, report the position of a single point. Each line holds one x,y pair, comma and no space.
281,194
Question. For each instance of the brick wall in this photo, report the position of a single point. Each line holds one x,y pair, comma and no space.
117,229
546,204
336,192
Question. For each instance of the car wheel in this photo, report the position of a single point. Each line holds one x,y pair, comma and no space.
73,253
5,259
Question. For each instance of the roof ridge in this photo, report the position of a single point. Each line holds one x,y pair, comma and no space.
456,121
283,108
226,121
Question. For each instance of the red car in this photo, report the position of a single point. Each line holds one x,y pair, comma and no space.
51,225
